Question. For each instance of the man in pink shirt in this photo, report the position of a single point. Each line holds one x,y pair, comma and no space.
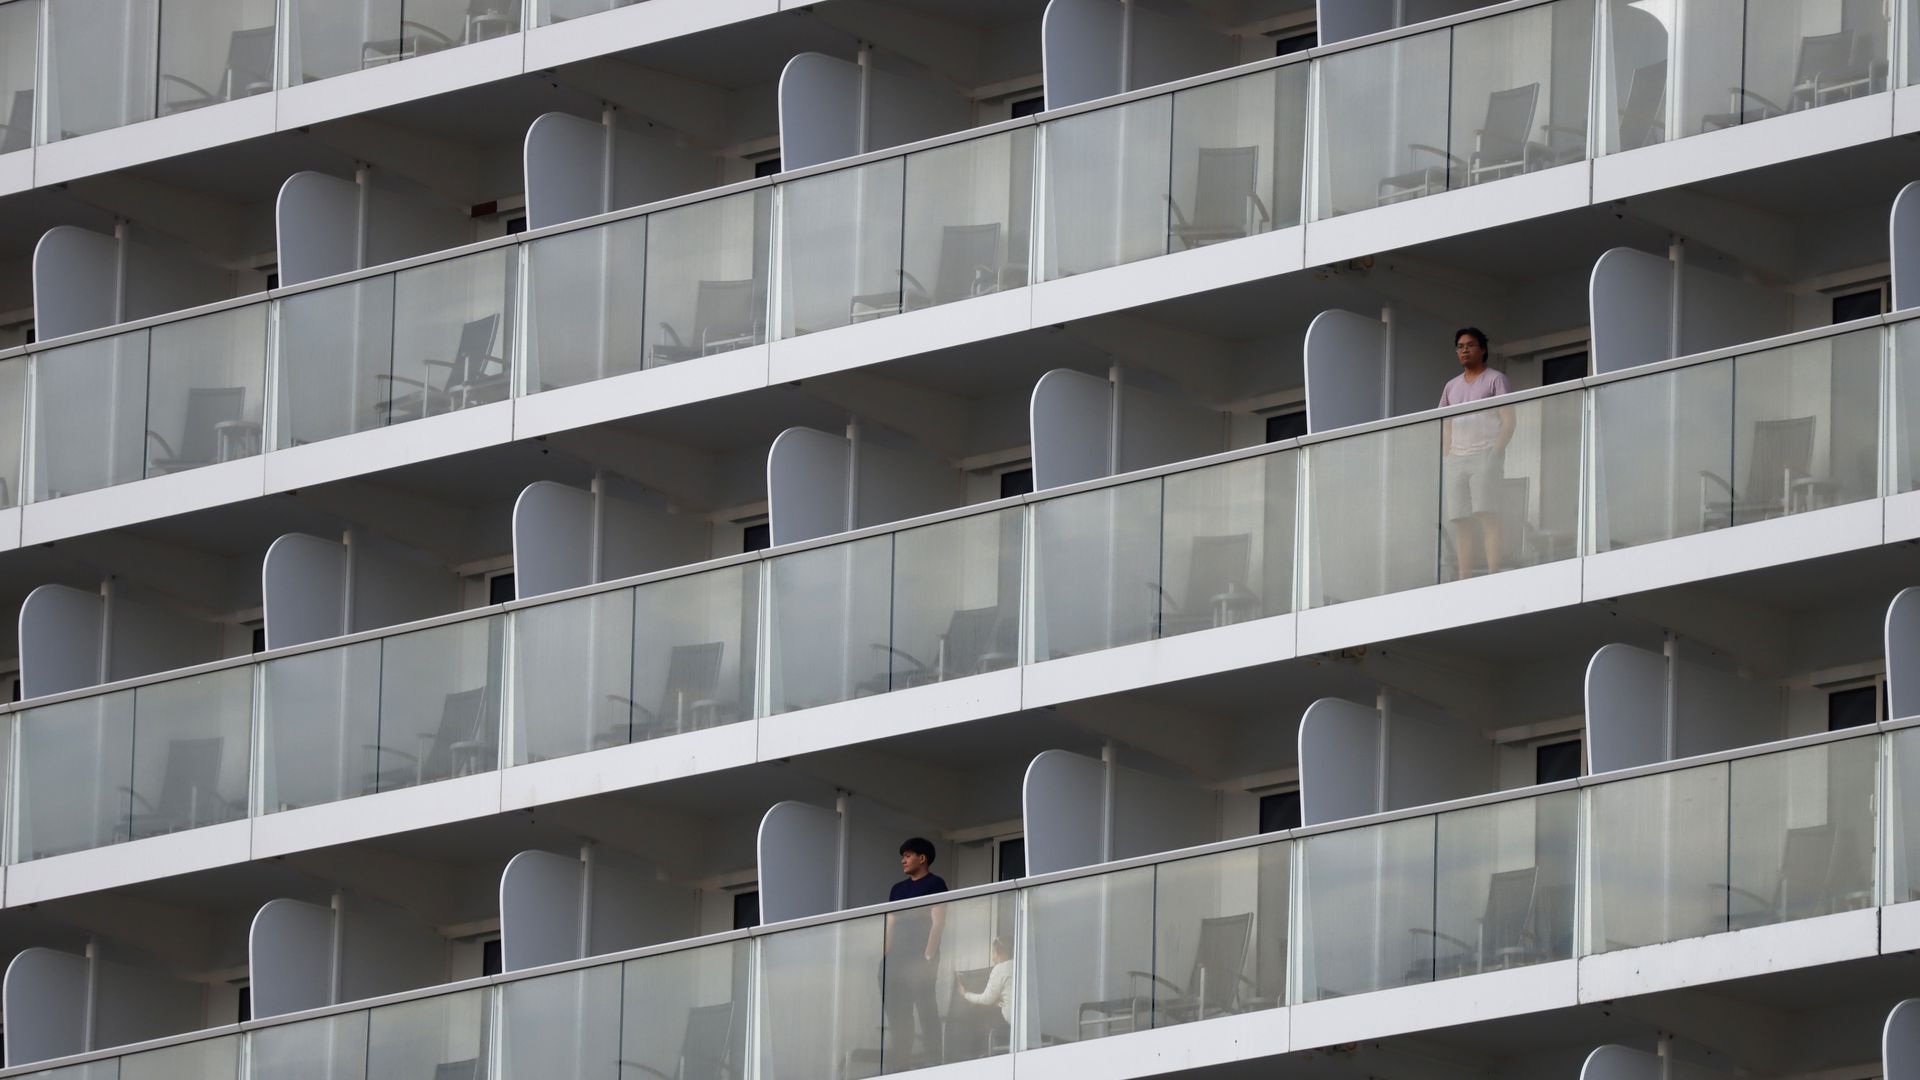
1473,448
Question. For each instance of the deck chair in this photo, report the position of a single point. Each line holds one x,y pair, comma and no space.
687,698
1778,482
484,19
1810,883
1506,933
249,71
976,641
459,746
1502,146
17,133
725,316
1831,67
1217,592
1215,986
1226,202
474,376
968,1031
1643,117
189,794
215,429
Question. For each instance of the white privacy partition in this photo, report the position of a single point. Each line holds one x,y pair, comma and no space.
1361,368
1903,654
1073,417
820,484
555,908
71,638
313,588
364,950
327,225
1903,246
83,280
1900,1042
1631,296
814,860
1358,759
576,168
564,537
1095,48
824,102
1645,707
1079,811
58,1003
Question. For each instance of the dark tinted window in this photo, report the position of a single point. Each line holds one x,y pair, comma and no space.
1559,369
746,909
1279,811
1293,43
500,589
766,167
1858,305
516,225
1012,857
490,957
1287,425
1016,482
1852,707
1027,107
259,639
756,537
1556,761
244,1012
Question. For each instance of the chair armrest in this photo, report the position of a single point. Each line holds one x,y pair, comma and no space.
400,379
204,93
902,654
409,24
154,436
1566,129
1424,148
1708,476
394,750
1419,931
1158,980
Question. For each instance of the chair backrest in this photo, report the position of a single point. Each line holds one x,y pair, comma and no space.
462,716
457,1070
969,262
207,408
722,309
1646,96
250,58
972,633
1825,56
1216,565
692,673
705,1051
1224,179
470,355
19,133
1779,446
1509,125
1221,960
1806,870
1508,922
193,766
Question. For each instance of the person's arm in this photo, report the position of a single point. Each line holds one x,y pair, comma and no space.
933,932
996,988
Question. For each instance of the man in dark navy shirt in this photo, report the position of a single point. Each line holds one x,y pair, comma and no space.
913,961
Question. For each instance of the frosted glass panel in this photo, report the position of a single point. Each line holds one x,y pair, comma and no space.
561,1027
1098,569
453,335
1227,547
1369,910
572,664
76,762
840,248
13,420
206,389
439,703
209,1059
831,615
1806,429
333,361
100,65
1519,92
433,1037
19,62
686,1013
586,319
1219,935
707,277
1374,514
1105,187
1381,128
321,727
1657,439
956,599
192,752
334,1048
1239,150
213,51
821,1006
695,647
1656,859
969,214
1503,897
1803,833
89,415
1080,941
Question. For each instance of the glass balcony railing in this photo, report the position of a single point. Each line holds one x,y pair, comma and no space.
548,12
331,38
1533,478
1759,837
983,212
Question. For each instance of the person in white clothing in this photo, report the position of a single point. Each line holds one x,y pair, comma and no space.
1473,453
999,988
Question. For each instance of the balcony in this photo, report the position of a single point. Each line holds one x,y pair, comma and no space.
1541,892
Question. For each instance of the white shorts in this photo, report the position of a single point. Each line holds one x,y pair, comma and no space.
1470,483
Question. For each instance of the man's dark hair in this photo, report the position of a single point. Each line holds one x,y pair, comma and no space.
1473,332
918,845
